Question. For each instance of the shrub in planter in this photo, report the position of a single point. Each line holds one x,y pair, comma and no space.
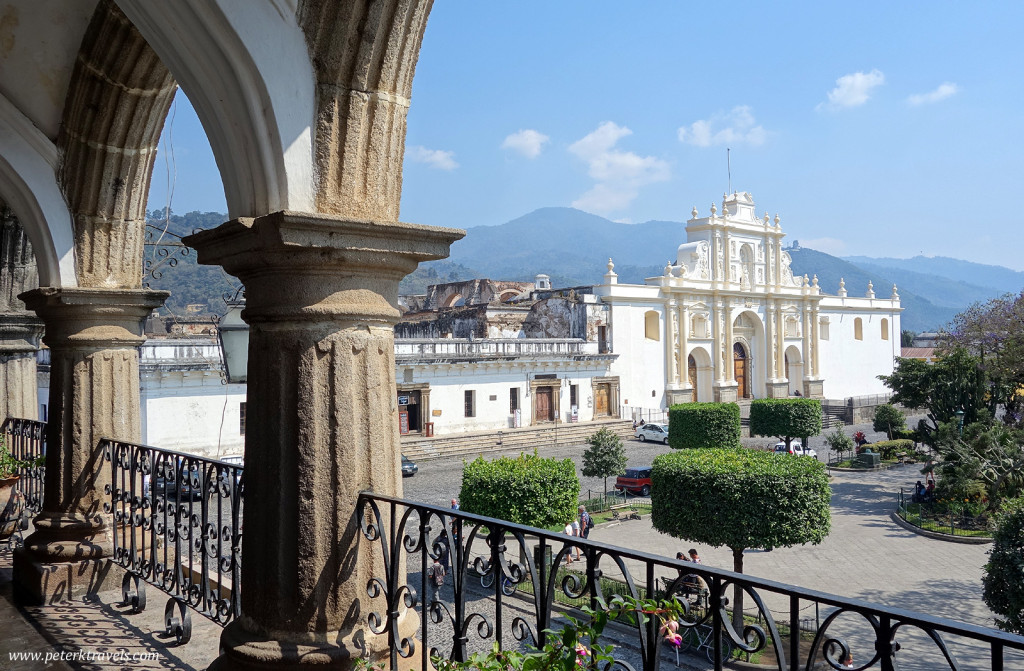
699,425
889,448
526,489
888,418
786,418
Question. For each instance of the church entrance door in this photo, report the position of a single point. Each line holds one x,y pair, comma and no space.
740,372
691,371
601,400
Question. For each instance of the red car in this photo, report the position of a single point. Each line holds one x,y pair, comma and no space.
635,481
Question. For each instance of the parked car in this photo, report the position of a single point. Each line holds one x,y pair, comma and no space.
795,447
651,431
635,481
409,467
186,484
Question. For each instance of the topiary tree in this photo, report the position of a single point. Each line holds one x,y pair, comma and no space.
605,456
786,418
526,489
743,499
697,425
1004,573
888,418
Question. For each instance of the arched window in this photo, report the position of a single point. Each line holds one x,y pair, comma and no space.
885,329
652,329
858,329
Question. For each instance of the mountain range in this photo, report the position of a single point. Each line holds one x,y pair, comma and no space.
573,248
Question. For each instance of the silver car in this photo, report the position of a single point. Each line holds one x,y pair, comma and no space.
650,431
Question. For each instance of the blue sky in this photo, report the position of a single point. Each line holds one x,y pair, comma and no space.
877,128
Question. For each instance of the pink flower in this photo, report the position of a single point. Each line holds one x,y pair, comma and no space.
670,627
581,653
674,639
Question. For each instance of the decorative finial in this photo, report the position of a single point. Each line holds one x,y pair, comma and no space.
766,220
895,294
694,212
714,209
842,287
611,266
668,269
814,282
807,281
871,289
776,219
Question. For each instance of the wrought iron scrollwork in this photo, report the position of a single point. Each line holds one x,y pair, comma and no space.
178,527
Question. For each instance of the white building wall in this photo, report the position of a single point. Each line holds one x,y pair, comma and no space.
641,362
192,412
851,367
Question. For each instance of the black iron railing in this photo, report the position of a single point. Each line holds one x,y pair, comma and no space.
26,441
178,527
464,617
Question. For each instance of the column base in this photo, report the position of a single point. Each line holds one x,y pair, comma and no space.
777,389
726,394
676,396
814,388
243,650
39,583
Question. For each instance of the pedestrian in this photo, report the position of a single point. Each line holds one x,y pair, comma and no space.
586,522
577,531
694,557
568,532
443,552
455,504
435,576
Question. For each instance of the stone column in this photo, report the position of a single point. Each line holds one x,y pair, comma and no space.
93,336
780,352
730,368
20,330
670,345
321,297
683,315
716,350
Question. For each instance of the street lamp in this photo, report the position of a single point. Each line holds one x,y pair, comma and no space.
960,421
233,334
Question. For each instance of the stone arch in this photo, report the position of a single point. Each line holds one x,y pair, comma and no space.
508,295
455,300
254,96
794,367
700,359
28,184
117,101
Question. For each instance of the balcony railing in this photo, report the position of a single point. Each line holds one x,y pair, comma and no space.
440,348
179,527
27,442
535,588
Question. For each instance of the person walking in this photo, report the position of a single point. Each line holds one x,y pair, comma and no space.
435,577
455,504
586,522
694,557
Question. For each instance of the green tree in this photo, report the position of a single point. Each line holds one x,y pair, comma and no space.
888,418
955,382
839,442
604,457
987,455
1004,573
786,418
907,338
697,425
743,499
527,489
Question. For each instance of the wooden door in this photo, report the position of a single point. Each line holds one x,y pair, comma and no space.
691,370
601,400
543,405
740,370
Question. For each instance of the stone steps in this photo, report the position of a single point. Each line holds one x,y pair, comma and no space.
525,439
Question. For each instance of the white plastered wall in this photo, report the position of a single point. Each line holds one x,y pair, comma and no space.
851,367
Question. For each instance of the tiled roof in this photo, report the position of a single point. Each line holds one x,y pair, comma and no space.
918,352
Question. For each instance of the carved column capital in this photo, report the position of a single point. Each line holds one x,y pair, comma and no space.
93,318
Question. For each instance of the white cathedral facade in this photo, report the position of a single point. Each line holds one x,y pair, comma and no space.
728,320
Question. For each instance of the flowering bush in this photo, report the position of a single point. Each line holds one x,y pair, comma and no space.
575,646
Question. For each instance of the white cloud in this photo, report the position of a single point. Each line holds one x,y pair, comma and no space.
945,90
527,142
833,246
854,89
435,158
735,127
619,174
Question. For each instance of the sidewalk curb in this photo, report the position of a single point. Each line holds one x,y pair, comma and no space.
964,540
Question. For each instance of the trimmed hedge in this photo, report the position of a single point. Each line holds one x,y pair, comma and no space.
697,425
740,498
889,448
785,418
527,489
